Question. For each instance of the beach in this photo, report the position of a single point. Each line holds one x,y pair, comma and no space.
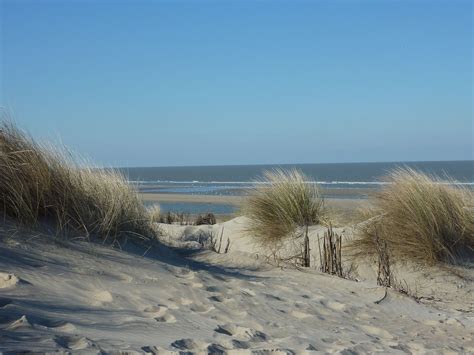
236,177
95,263
175,297
217,289
346,209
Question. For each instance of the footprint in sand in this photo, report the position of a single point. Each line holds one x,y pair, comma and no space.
248,292
189,344
174,301
160,314
241,333
101,297
125,278
335,306
316,297
116,276
166,318
300,305
201,308
300,315
74,342
238,347
171,303
273,297
155,310
184,274
215,289
363,315
236,312
154,350
8,280
376,331
220,299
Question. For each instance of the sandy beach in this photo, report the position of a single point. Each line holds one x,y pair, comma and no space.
88,265
236,177
347,209
80,296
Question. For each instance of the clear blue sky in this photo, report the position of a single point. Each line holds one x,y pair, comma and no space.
157,83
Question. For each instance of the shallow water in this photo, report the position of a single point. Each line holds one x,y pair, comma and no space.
343,180
194,207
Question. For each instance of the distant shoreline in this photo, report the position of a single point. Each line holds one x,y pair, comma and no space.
293,164
329,194
346,209
159,197
331,177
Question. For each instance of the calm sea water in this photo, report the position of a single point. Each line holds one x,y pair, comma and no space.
334,174
234,180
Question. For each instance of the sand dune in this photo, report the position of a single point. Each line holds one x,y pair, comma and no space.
81,296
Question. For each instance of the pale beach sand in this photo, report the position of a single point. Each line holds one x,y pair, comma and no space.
82,296
345,209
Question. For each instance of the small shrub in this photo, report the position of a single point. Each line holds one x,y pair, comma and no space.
179,218
420,218
207,219
281,206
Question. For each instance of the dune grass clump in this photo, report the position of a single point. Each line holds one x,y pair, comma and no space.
280,205
155,213
39,183
419,218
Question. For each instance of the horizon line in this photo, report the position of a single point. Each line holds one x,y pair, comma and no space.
282,164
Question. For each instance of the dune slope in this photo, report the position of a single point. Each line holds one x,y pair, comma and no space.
77,295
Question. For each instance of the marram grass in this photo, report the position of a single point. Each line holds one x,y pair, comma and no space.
281,203
421,219
40,183
155,213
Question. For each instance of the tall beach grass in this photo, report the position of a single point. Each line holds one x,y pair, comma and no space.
281,203
419,218
41,183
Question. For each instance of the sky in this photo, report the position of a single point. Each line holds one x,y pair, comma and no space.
172,83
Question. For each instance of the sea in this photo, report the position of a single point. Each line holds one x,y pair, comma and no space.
342,180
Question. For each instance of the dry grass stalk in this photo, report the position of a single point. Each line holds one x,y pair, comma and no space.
330,255
180,218
306,250
213,242
39,183
421,218
282,205
206,219
384,273
155,213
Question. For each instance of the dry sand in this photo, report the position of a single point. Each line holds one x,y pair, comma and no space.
82,296
345,210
